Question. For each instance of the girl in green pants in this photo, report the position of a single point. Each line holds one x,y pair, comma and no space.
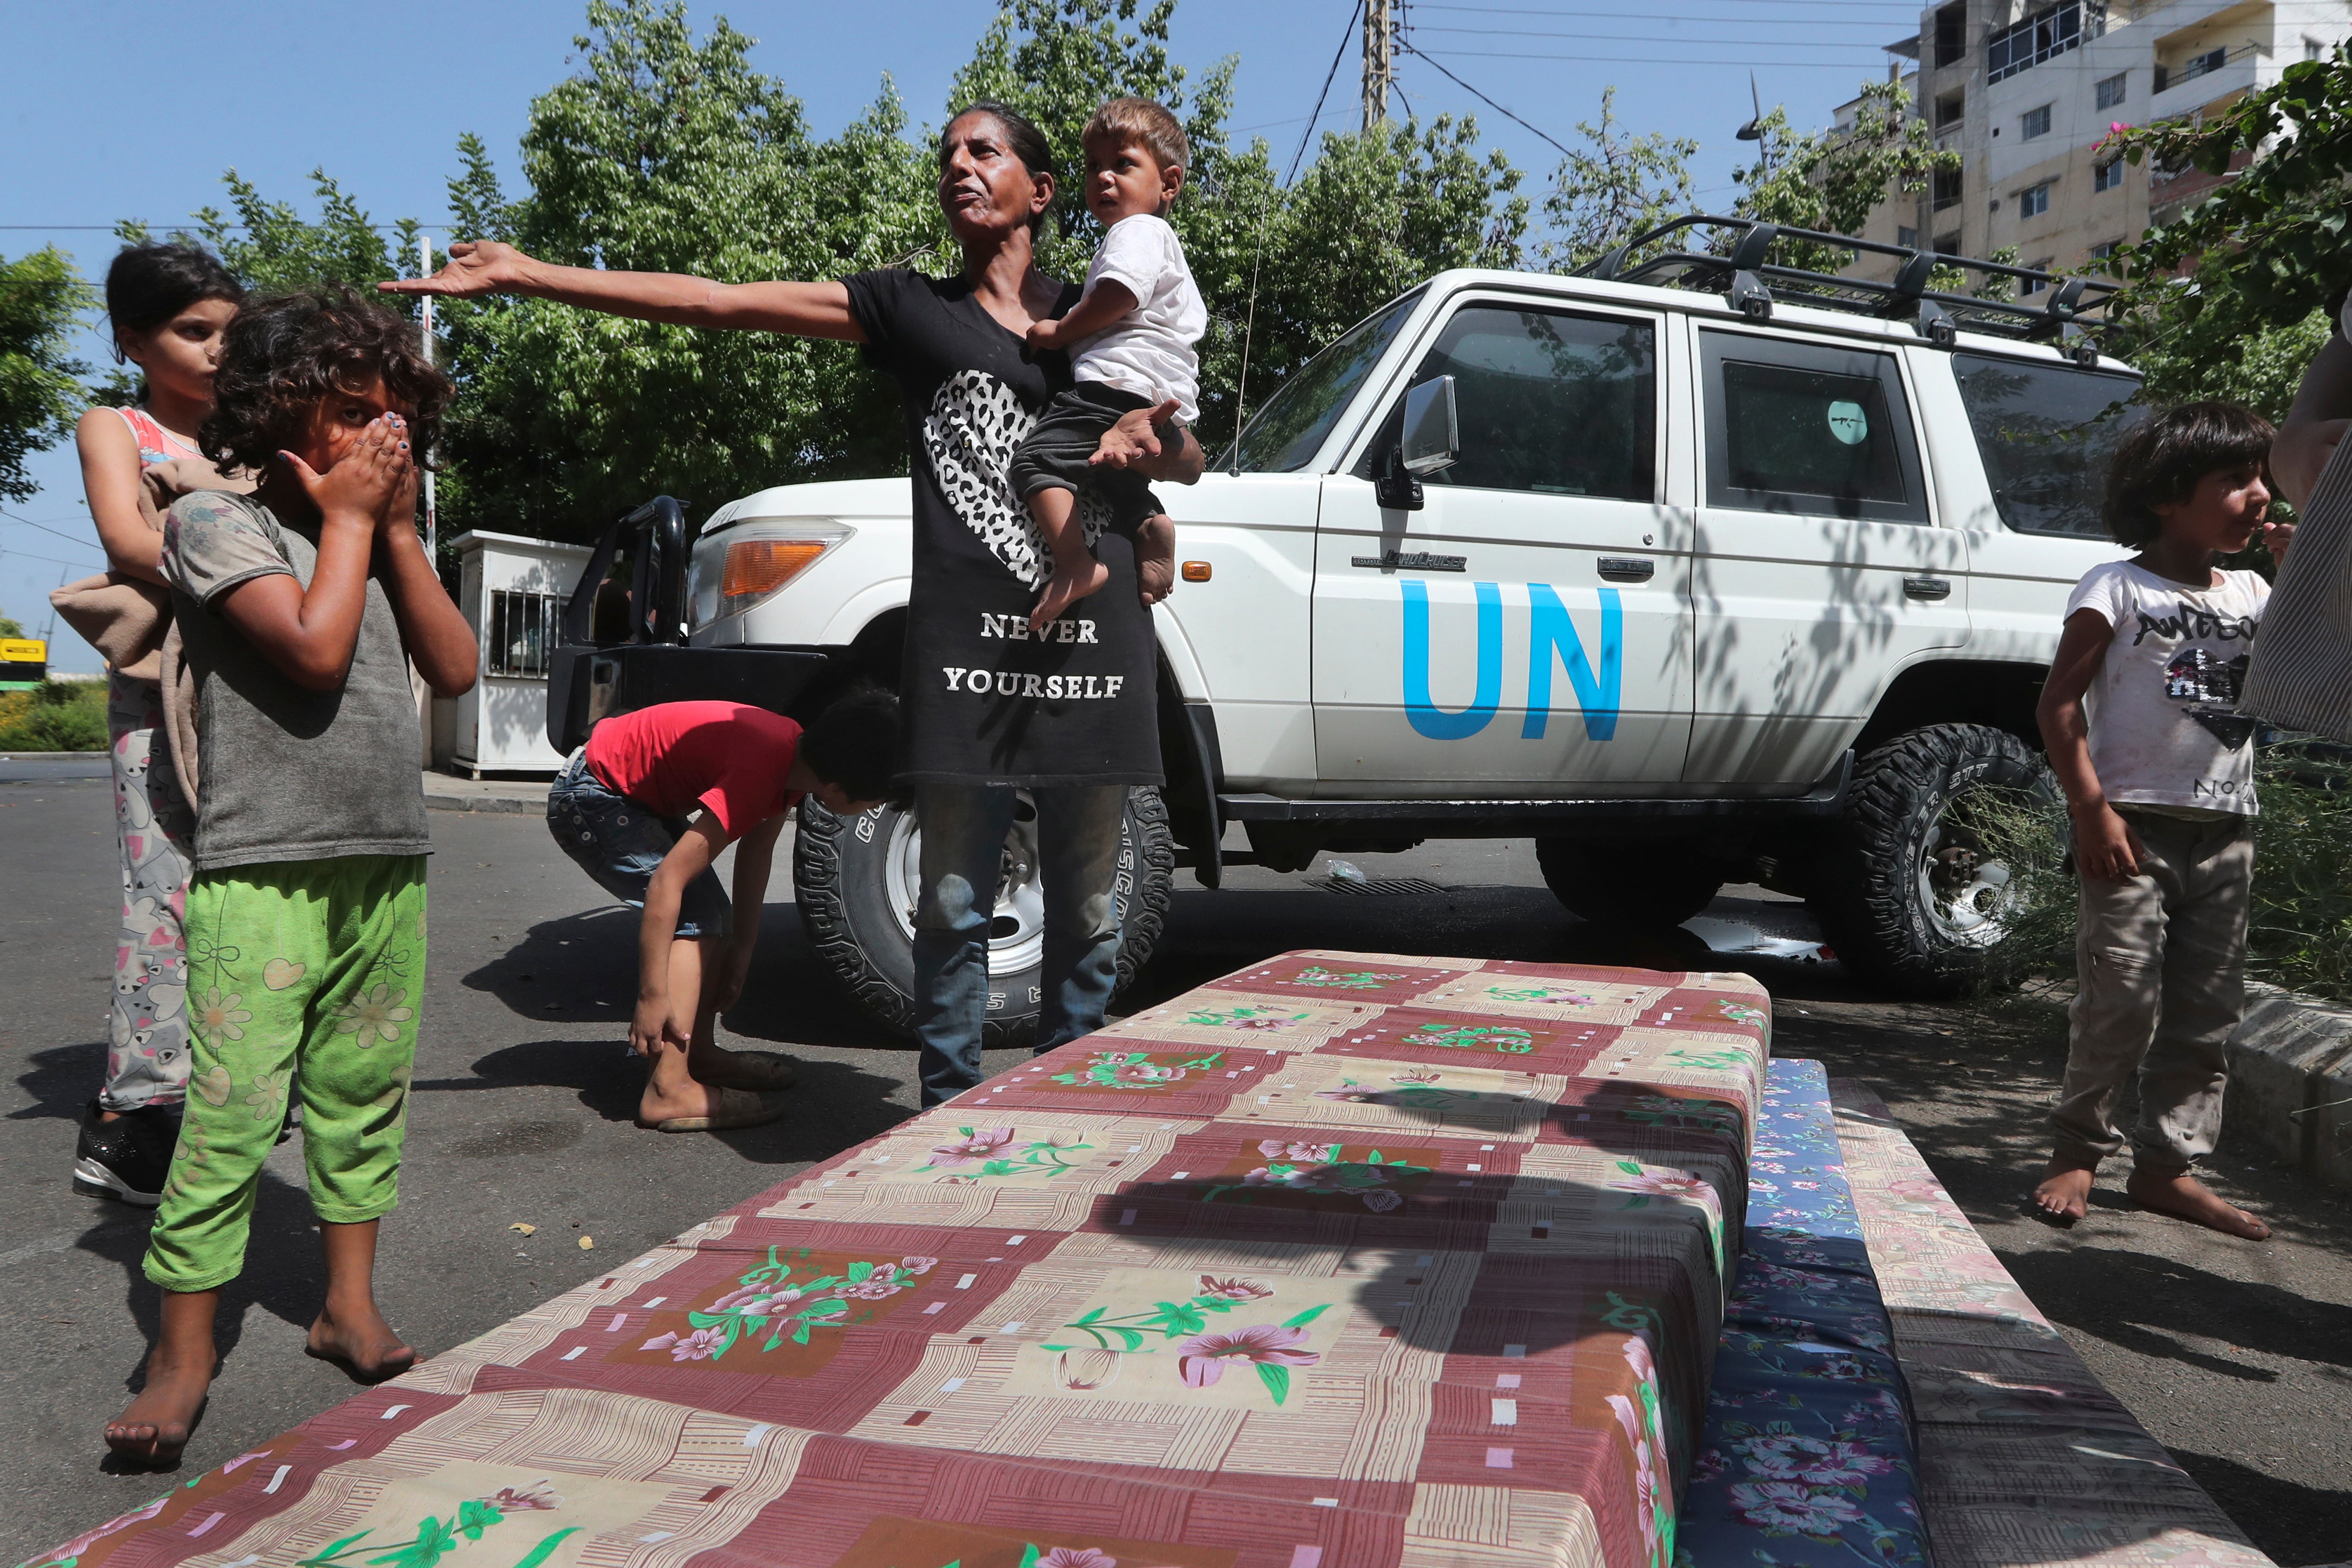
300,607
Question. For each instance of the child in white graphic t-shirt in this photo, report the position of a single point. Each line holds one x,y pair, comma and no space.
1131,338
2141,716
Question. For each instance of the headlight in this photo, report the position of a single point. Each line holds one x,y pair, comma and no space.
750,563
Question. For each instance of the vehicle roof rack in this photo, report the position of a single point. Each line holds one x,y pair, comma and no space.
1745,274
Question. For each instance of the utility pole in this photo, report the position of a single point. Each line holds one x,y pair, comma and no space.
1380,58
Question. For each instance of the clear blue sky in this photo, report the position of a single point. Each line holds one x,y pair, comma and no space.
116,109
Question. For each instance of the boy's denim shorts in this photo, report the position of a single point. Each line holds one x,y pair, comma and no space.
619,843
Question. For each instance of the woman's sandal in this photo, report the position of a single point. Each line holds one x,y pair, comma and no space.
736,1108
754,1071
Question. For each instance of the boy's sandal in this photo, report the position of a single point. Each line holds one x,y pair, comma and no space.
753,1071
736,1108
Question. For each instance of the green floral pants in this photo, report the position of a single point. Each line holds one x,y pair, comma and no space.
307,973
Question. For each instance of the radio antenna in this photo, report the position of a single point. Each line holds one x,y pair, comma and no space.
1249,320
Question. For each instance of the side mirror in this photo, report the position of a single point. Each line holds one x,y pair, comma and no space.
1432,435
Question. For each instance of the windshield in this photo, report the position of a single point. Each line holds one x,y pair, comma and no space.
2046,433
1290,430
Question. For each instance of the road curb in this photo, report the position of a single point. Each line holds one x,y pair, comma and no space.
2290,1082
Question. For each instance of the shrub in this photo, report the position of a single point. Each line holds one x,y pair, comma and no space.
2299,932
57,716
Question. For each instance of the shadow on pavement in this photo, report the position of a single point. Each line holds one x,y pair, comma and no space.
2141,1302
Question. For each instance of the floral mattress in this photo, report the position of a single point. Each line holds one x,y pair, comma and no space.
1341,1261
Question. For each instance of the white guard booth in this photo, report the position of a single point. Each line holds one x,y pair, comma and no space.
513,590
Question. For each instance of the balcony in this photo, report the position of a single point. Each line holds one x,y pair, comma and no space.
2204,77
2043,35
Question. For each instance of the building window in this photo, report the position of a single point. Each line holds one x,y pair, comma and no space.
2034,200
522,632
1948,109
1945,189
2104,249
2111,90
2191,69
1952,35
2107,176
2043,35
2313,49
1948,244
2035,285
1906,236
2034,123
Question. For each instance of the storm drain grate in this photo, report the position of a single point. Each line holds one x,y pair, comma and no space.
1379,888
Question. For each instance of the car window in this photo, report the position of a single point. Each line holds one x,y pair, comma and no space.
1809,432
1807,428
2046,433
1548,402
1286,433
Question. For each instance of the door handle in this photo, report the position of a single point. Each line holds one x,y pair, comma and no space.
1627,568
1927,587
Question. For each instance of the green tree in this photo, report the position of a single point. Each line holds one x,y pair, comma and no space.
1619,188
1379,211
2249,267
41,296
1832,181
665,151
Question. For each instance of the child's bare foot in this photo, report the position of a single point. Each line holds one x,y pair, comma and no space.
2186,1198
1067,587
155,1427
676,1102
358,1340
1155,560
2064,1195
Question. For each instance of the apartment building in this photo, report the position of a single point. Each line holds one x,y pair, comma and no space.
2025,93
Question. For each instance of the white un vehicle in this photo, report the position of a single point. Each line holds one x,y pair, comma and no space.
1698,570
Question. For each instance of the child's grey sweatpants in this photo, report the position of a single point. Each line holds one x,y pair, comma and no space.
2160,982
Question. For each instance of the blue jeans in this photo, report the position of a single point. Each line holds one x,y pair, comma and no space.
964,829
621,843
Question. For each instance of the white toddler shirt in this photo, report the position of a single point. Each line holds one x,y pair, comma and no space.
2163,713
1149,350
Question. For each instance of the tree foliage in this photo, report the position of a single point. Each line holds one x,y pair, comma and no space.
40,383
2251,265
1620,186
1833,180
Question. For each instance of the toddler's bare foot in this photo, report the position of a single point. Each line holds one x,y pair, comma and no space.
358,1340
2186,1198
155,1427
2064,1195
1155,560
685,1098
1067,587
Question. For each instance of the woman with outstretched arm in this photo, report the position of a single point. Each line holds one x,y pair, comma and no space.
1069,713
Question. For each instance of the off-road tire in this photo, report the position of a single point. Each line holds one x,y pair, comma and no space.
1869,896
1650,884
839,878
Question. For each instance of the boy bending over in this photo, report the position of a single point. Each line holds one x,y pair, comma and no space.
620,808
2140,718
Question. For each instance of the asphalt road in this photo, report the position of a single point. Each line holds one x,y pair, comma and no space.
2237,1356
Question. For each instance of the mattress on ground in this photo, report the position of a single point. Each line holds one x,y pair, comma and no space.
2026,1459
1808,1456
1340,1261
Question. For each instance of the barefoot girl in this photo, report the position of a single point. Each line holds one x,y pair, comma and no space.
2140,718
300,606
167,304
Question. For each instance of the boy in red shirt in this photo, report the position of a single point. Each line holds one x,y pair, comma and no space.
622,809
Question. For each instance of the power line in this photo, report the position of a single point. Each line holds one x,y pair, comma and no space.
1249,324
69,537
27,555
1635,60
1640,38
1558,11
1482,96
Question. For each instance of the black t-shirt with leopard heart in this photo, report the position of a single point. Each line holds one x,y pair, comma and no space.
983,701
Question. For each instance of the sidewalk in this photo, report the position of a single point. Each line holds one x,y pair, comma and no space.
445,791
